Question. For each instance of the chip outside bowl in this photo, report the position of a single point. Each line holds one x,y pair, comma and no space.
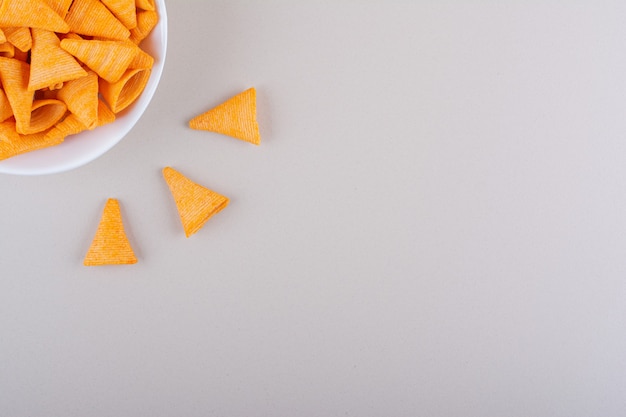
82,148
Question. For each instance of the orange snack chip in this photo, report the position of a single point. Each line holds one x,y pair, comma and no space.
67,66
195,203
19,37
110,245
60,7
96,54
236,117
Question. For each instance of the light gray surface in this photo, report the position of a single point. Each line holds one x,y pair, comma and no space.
433,225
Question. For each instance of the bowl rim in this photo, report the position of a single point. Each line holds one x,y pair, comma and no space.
85,147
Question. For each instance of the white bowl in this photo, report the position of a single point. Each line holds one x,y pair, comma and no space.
84,147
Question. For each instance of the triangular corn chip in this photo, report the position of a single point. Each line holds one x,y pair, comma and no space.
49,93
142,60
110,245
81,97
14,77
12,144
3,37
60,7
123,93
105,115
49,64
124,10
19,37
146,21
195,203
68,126
72,35
145,4
5,107
109,59
235,117
30,13
91,17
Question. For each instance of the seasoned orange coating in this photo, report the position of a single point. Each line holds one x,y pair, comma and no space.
92,18
236,117
109,59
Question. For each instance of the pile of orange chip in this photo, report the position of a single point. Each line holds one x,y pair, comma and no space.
67,66
196,204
